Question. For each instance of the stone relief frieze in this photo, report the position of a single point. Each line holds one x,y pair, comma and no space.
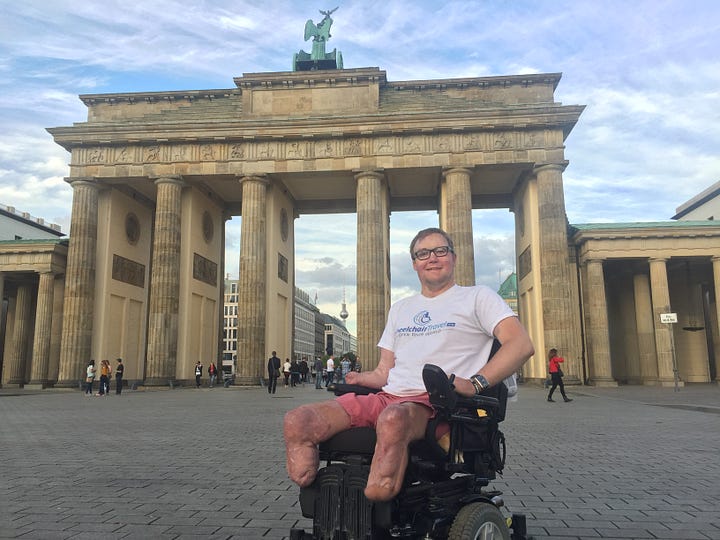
128,271
237,151
384,145
123,155
207,152
471,141
442,143
352,147
502,141
324,149
204,270
295,150
413,145
152,153
266,151
525,263
532,140
95,155
180,152
309,149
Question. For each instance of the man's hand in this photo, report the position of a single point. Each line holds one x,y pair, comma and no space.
464,387
352,377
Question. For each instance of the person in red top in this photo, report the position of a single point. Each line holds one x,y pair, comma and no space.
556,375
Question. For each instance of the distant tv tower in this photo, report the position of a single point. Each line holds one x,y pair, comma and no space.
344,312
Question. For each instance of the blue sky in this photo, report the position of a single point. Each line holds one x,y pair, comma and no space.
648,72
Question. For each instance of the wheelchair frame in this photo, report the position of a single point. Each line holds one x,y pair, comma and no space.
444,493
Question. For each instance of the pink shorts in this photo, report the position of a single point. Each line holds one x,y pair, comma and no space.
364,410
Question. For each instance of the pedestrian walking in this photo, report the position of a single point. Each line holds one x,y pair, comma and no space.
556,375
104,378
119,371
273,368
89,377
198,374
212,372
318,373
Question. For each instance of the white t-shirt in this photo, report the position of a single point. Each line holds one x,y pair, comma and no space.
453,330
330,365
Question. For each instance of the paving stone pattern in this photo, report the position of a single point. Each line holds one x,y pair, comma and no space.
208,463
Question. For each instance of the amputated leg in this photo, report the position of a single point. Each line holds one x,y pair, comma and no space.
397,426
304,428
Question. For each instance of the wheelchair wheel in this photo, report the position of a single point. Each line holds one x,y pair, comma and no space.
479,521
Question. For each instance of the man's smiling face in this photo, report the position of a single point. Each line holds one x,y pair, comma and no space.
436,274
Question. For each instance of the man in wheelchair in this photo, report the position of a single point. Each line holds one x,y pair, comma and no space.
445,324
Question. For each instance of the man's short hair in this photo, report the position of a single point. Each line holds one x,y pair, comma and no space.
427,232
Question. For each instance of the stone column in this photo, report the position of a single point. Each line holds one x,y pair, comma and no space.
559,315
716,280
663,338
164,284
79,304
598,334
459,222
43,325
21,336
252,301
371,257
645,329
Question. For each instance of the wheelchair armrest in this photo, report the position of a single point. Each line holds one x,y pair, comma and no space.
443,396
340,389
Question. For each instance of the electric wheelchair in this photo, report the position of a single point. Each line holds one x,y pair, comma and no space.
444,494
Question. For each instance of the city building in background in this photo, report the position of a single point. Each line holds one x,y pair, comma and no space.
230,316
314,333
705,206
304,345
337,337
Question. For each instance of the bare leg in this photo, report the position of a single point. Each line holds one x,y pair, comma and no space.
304,428
396,427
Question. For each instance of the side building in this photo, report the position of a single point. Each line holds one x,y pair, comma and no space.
33,257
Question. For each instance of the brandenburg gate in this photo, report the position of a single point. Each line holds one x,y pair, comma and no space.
155,176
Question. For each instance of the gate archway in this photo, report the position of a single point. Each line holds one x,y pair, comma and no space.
159,173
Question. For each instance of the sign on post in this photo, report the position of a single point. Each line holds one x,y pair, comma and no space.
671,318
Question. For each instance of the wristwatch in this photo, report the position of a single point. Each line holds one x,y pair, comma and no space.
480,383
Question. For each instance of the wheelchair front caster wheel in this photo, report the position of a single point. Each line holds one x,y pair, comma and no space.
479,521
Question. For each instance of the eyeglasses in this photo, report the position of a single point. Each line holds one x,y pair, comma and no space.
423,254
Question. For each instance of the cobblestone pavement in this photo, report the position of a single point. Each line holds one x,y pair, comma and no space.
616,463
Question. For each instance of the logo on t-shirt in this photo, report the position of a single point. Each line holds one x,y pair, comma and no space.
423,325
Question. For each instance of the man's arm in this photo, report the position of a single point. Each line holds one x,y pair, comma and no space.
516,349
376,378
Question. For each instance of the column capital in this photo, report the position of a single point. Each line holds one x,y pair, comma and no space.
374,173
262,178
452,170
550,167
82,180
715,258
658,259
168,179
593,260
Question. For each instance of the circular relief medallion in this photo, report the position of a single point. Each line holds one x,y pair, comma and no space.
132,228
208,227
284,225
